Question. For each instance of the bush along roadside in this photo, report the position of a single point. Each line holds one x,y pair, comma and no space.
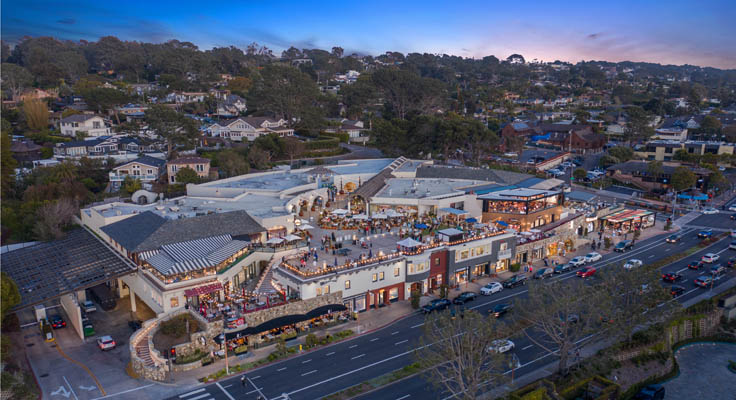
312,341
376,382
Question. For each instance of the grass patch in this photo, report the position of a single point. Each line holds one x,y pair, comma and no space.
177,326
376,382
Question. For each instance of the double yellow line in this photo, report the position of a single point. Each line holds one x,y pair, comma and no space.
84,367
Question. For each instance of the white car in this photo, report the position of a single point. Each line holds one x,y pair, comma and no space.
491,288
633,263
105,343
592,257
88,306
501,346
733,233
732,207
710,258
710,210
578,261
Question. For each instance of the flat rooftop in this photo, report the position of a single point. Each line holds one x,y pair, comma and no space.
272,182
370,166
419,188
517,194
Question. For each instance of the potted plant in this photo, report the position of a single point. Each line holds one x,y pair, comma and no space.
241,349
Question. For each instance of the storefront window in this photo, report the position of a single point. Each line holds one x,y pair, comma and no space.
461,276
360,304
174,302
393,294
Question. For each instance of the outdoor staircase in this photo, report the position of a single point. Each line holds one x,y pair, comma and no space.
144,352
264,282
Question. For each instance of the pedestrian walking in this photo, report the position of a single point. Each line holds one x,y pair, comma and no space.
242,381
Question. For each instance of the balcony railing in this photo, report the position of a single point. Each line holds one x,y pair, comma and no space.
120,178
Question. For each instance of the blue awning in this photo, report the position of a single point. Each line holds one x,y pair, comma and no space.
454,211
471,220
420,226
502,223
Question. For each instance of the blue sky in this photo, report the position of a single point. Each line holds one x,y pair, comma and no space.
673,32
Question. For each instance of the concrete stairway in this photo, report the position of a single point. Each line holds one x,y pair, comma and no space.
143,352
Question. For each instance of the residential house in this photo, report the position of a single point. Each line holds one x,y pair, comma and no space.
636,173
231,105
145,169
249,128
665,150
25,151
106,145
186,97
355,129
89,125
141,89
200,165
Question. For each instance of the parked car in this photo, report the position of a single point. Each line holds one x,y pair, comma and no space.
586,272
501,346
624,245
88,306
674,238
105,343
650,392
717,270
57,322
515,281
732,207
592,257
695,264
543,273
464,297
436,305
732,245
671,277
705,233
677,290
710,258
135,324
703,281
491,288
578,261
562,268
710,211
500,309
633,263
733,233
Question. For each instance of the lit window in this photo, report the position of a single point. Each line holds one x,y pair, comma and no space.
319,291
437,261
174,302
411,268
326,289
397,271
375,277
347,284
382,275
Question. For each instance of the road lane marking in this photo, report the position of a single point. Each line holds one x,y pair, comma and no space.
201,396
123,392
393,333
228,394
374,339
191,393
304,362
281,369
356,357
403,341
310,372
404,397
227,386
418,325
528,347
70,387
255,377
328,354
684,269
353,346
257,389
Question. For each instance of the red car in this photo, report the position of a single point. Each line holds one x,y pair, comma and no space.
671,277
695,264
586,272
57,322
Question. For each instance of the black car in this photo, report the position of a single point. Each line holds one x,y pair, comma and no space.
500,309
673,238
464,297
135,325
731,262
57,322
623,246
671,277
651,392
697,264
515,281
562,268
677,290
436,305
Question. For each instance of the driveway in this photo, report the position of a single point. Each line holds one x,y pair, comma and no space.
703,372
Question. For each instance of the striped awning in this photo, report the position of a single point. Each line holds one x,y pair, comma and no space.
145,255
626,215
198,248
226,251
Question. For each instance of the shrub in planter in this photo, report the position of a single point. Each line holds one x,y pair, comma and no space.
311,340
415,299
241,349
515,267
207,361
288,336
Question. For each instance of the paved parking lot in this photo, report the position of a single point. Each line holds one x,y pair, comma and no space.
703,373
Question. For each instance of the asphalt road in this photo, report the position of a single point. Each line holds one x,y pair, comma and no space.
323,371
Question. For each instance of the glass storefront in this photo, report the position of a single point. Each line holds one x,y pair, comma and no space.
461,276
393,295
502,265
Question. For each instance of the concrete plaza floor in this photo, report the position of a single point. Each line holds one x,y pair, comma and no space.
703,373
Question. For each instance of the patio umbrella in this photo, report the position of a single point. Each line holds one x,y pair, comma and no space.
340,211
409,242
275,240
471,220
360,217
291,238
535,231
479,225
393,214
502,223
379,216
420,226
305,227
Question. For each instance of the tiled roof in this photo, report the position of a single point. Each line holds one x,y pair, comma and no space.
146,160
190,160
77,118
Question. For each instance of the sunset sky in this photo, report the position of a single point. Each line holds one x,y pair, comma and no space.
673,32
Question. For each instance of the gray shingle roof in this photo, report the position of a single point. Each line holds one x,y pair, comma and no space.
77,118
149,231
146,160
477,174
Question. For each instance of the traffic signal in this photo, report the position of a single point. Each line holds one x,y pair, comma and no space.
173,353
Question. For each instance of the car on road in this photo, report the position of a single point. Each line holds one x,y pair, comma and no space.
543,273
710,258
717,270
515,281
562,268
491,288
732,245
733,233
464,297
436,305
697,264
732,207
674,238
710,211
586,272
501,346
592,257
705,233
703,281
650,392
57,322
105,343
624,245
733,216
677,290
633,263
671,277
731,262
88,306
578,261
500,309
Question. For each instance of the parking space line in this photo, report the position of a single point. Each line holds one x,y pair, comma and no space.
201,396
191,393
225,391
84,367
70,387
404,397
123,392
358,356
